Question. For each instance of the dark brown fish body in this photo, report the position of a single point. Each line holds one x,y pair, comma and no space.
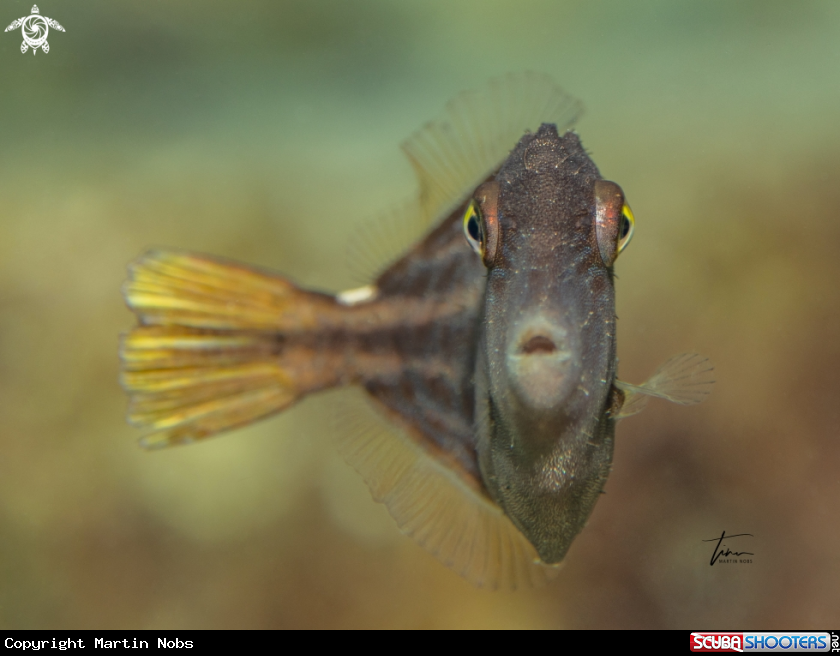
548,345
498,365
432,384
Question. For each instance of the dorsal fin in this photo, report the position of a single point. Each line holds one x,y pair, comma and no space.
378,242
478,129
454,154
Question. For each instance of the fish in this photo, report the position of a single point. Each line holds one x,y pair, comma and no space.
486,349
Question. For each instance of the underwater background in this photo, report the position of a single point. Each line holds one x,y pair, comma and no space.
268,132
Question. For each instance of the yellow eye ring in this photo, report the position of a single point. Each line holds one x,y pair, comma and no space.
626,226
473,228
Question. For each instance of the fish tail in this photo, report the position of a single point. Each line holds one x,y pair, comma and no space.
219,345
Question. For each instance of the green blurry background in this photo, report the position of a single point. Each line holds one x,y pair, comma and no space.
268,132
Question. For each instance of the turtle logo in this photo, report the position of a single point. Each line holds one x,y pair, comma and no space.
35,29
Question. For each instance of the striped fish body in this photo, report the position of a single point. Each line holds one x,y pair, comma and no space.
215,336
487,350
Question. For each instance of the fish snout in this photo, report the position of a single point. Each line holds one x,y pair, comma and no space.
541,364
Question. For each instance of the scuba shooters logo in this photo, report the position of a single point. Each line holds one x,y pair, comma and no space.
799,641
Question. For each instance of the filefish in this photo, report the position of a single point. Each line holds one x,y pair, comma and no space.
487,349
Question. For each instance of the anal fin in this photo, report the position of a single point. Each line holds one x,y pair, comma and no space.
441,508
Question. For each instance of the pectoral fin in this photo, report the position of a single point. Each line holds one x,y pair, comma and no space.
685,379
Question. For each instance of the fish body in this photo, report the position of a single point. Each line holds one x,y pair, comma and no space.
490,344
547,351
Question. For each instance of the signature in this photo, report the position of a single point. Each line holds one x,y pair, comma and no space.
718,552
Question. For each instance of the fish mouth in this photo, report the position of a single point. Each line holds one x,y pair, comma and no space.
541,364
538,345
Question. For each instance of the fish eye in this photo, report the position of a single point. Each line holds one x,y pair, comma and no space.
626,225
481,222
614,221
473,228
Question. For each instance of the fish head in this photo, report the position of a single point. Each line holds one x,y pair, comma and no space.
548,229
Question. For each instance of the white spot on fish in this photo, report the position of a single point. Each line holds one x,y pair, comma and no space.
357,295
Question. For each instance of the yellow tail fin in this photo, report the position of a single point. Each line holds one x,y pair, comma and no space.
218,346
